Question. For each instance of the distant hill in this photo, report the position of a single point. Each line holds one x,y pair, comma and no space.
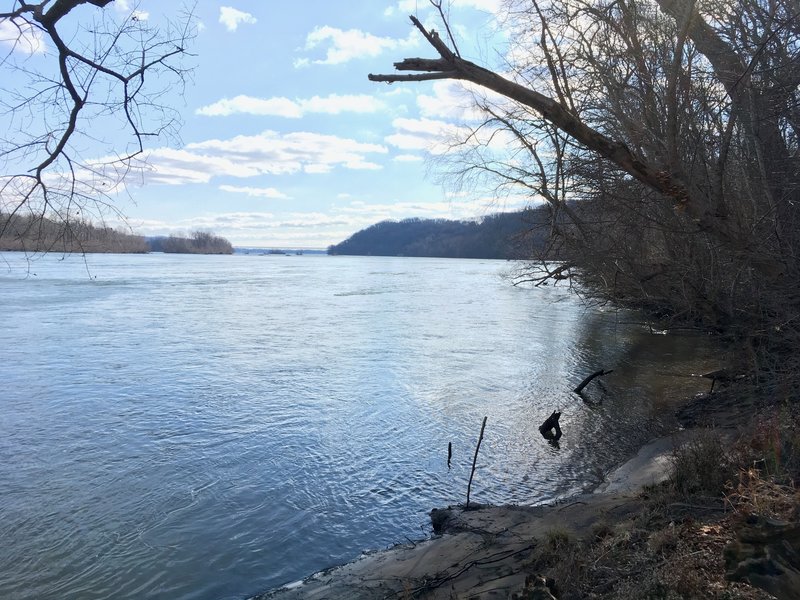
501,235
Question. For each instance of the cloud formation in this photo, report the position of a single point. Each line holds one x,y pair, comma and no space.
231,18
412,6
344,46
268,153
450,100
429,135
332,104
21,37
255,192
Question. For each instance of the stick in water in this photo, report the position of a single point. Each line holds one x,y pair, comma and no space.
449,453
475,460
586,381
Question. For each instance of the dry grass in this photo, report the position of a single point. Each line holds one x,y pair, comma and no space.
673,549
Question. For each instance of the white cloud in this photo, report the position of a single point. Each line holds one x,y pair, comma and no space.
491,6
408,158
178,167
429,135
360,213
268,153
124,6
255,192
231,18
21,37
450,100
271,152
278,107
285,107
412,6
344,46
335,104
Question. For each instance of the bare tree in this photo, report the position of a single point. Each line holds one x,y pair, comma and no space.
82,89
664,135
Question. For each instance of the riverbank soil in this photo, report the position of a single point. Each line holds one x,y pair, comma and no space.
717,518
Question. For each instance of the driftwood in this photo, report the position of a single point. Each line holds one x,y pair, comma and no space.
586,381
475,460
550,424
449,453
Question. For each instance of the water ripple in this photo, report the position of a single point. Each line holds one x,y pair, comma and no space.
198,427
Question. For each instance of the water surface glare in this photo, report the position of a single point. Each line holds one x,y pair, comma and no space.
212,427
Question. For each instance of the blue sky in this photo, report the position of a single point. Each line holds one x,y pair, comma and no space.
284,140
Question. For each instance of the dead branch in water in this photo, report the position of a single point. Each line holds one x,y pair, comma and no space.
586,381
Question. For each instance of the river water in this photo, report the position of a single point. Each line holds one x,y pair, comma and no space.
213,427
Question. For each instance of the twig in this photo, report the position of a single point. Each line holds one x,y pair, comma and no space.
475,460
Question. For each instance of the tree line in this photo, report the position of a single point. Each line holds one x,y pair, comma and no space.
36,234
502,235
200,242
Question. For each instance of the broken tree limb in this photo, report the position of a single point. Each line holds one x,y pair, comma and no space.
550,424
680,191
586,381
475,460
450,66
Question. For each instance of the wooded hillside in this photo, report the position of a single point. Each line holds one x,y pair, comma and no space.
502,235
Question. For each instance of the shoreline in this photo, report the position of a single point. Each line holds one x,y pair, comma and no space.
479,551
484,552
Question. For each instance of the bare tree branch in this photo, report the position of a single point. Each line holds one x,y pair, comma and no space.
96,74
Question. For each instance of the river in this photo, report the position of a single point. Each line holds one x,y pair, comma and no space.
191,427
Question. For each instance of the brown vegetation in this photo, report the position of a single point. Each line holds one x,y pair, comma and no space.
34,234
200,242
719,528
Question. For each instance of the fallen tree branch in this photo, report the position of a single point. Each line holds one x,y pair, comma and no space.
586,381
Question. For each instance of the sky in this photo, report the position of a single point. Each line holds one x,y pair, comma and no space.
285,142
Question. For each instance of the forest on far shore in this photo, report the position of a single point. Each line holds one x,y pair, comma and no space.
503,235
37,234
